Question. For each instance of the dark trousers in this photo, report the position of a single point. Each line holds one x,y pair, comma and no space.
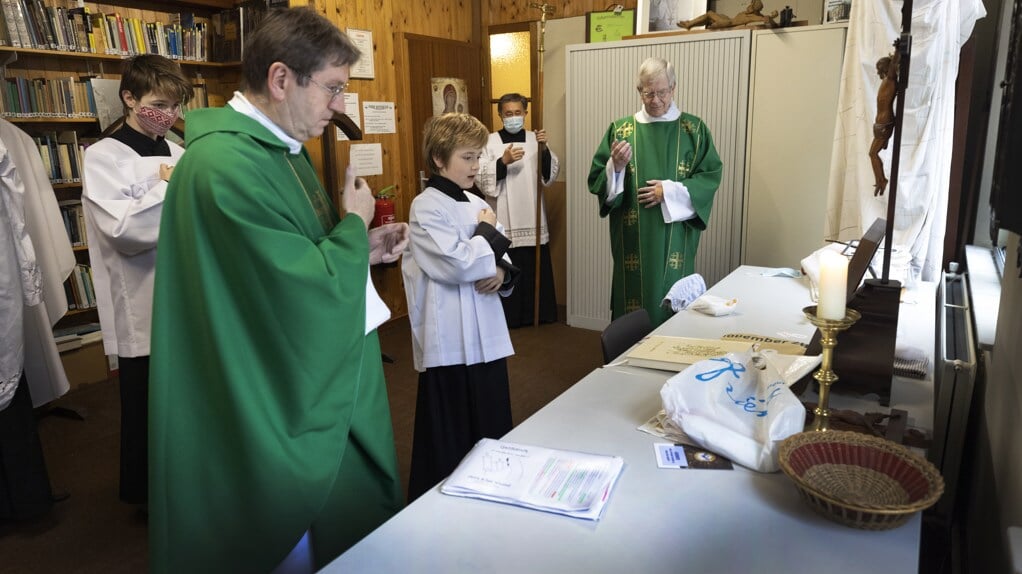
24,482
134,388
456,406
519,307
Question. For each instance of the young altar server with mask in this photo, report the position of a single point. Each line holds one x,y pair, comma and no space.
455,270
125,180
510,181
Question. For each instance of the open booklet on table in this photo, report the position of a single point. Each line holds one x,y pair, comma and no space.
565,482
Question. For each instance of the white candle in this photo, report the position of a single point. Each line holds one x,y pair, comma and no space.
833,285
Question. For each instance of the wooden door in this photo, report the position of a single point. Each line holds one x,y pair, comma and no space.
428,58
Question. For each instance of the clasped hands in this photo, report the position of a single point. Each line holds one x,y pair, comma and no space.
653,193
386,242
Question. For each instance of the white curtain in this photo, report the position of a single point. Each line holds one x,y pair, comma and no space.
939,29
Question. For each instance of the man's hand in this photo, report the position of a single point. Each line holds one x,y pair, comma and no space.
491,285
487,216
621,154
386,242
358,198
540,136
653,194
512,154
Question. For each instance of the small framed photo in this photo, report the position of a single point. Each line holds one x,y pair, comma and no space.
836,11
664,15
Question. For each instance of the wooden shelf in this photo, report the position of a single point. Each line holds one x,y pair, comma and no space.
80,248
51,120
71,312
57,186
107,57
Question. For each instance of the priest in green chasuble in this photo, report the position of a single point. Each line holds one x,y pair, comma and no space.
271,447
655,174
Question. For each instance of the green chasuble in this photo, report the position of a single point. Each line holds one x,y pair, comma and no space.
650,255
268,414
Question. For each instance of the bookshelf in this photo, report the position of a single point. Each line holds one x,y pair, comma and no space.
51,51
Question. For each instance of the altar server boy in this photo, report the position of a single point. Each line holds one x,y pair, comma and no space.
455,270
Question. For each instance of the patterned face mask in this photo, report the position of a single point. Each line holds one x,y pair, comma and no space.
155,120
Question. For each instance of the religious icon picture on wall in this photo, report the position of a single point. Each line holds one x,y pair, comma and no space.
449,95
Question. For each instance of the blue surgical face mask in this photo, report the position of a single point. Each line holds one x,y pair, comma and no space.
514,124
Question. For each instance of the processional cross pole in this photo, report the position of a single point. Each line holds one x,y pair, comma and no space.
545,10
904,47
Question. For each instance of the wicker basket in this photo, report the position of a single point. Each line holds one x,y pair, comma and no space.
860,480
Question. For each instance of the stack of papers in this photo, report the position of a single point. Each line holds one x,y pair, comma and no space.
563,482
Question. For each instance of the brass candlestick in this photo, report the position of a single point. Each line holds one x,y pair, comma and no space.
829,328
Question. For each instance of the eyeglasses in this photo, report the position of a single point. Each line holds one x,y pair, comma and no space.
334,91
659,94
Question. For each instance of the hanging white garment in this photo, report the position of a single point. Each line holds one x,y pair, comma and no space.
55,259
939,29
20,282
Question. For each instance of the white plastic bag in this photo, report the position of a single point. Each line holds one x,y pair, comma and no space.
736,408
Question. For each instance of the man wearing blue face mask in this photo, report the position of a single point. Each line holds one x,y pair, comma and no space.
509,181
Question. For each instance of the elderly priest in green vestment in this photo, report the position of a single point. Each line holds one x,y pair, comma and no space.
655,173
270,432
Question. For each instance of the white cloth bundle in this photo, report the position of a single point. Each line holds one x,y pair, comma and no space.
735,407
684,292
714,306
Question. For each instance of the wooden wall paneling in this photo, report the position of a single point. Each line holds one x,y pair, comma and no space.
457,21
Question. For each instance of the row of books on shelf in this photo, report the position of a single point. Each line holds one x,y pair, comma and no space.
72,97
47,25
62,154
74,222
79,290
67,97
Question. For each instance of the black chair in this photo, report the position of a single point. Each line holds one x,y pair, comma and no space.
624,332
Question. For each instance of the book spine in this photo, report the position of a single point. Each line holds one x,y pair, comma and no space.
5,30
25,27
125,47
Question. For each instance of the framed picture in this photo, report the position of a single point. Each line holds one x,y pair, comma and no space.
836,10
610,25
664,15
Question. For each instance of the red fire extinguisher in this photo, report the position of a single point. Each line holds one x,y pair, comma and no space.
384,207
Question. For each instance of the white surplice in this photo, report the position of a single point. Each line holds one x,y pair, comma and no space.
122,199
451,323
20,282
514,197
54,257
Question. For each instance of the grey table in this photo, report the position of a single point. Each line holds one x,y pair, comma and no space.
657,520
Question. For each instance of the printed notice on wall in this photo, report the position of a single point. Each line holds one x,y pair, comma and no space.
353,111
366,158
379,117
364,68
